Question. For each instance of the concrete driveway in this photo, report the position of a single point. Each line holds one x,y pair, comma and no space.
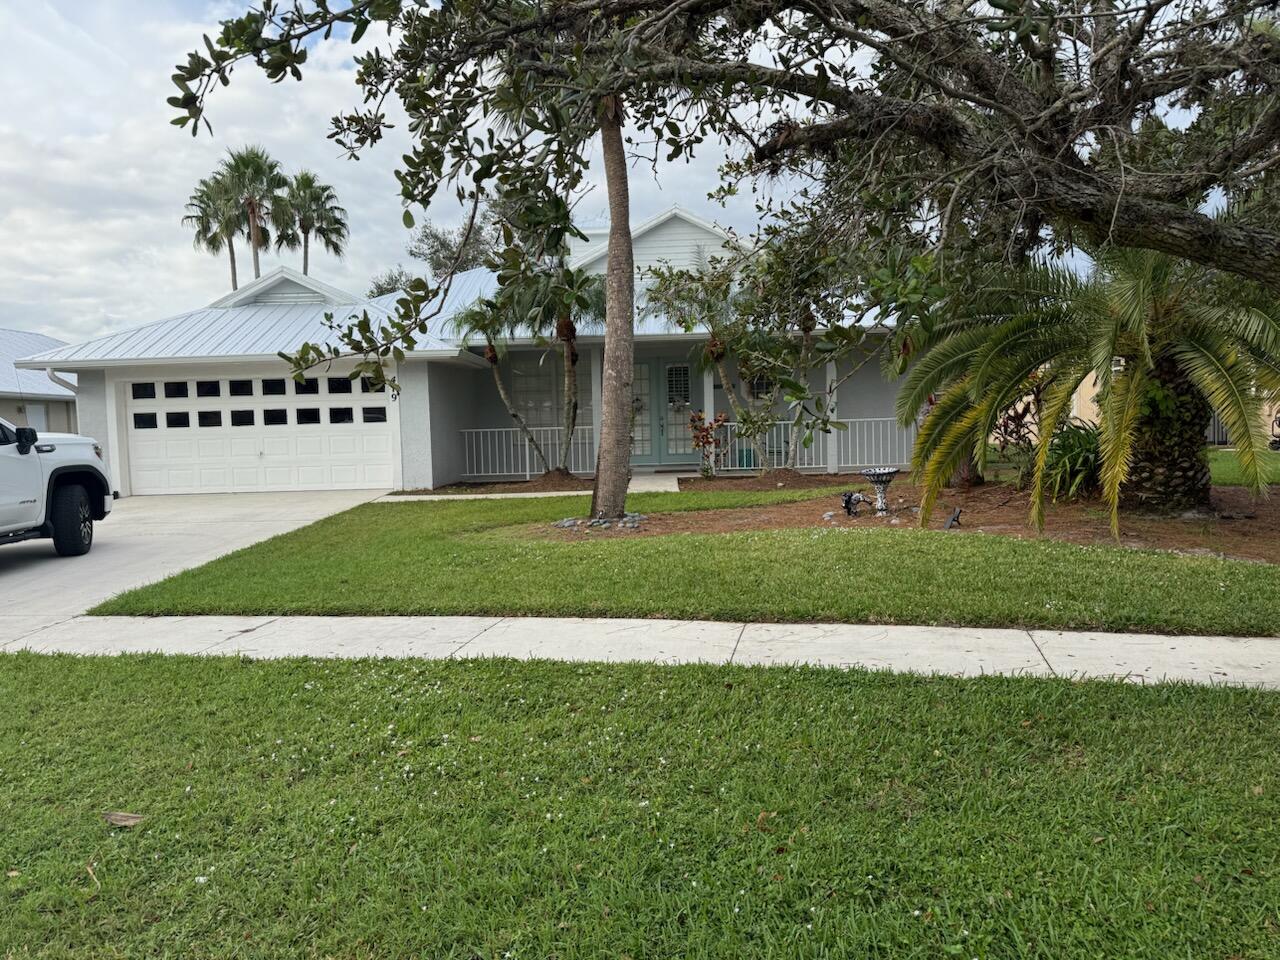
147,539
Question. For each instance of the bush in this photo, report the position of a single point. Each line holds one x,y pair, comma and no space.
1072,469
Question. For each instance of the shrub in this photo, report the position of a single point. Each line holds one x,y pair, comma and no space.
1073,467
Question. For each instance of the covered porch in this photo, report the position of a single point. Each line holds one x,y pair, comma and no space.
668,386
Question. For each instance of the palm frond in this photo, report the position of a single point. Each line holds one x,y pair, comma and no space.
1121,408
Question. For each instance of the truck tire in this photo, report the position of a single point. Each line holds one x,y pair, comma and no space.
71,520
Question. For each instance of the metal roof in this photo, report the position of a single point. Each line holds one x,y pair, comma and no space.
275,314
15,344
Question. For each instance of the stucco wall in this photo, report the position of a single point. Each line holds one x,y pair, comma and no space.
415,425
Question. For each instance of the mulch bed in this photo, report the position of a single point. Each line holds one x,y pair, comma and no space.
1240,527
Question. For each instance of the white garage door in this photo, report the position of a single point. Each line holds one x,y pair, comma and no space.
257,433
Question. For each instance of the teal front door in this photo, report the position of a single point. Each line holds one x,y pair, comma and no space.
664,393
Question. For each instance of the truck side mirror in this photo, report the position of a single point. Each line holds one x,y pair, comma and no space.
26,439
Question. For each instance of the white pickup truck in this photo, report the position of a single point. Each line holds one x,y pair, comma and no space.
51,485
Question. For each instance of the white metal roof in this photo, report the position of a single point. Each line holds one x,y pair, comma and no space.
15,344
275,314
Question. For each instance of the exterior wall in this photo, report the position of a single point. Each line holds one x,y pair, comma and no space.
61,414
91,396
450,398
415,425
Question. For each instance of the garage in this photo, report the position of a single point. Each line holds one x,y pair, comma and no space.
233,434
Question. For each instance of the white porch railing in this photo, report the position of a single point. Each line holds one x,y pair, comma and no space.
506,451
880,442
866,442
739,453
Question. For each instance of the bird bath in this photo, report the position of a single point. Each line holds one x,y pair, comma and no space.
880,478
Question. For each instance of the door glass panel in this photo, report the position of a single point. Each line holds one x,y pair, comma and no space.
679,440
641,424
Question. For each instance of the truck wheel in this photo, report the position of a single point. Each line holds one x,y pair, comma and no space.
72,521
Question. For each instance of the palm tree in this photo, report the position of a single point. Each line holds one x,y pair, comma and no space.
256,182
309,207
216,217
1170,344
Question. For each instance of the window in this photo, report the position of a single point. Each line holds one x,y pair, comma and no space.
275,418
144,421
240,388
175,389
339,384
375,414
273,388
341,415
308,385
208,388
6,436
144,391
178,418
308,416
242,418
368,386
209,418
761,387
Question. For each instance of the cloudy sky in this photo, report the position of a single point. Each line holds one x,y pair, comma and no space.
93,178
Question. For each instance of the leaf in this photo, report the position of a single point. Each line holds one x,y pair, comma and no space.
120,819
408,219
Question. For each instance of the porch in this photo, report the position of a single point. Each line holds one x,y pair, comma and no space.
505,453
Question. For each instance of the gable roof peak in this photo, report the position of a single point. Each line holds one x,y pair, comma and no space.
284,285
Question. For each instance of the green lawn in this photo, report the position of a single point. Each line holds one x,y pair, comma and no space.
1226,470
496,809
464,558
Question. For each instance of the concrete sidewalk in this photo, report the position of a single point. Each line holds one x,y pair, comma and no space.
943,650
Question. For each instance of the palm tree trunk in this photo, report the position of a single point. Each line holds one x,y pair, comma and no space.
613,460
491,354
231,253
1170,471
255,239
568,337
306,252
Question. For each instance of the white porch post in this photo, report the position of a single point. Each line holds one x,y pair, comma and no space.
709,394
597,380
832,438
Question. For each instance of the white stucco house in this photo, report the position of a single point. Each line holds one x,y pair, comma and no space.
31,398
202,403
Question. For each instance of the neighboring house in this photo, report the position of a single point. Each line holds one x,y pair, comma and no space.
202,403
29,398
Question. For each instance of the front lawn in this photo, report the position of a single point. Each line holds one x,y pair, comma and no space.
1226,469
480,557
388,809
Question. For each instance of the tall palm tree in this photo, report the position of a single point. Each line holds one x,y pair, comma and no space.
256,182
309,207
1170,343
216,217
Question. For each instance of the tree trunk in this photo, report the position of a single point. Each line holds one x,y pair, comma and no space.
568,334
739,409
255,239
967,475
306,252
231,253
491,354
613,459
801,374
1170,471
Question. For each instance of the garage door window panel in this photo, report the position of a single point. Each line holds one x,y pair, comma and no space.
240,388
176,419
273,388
175,390
308,416
144,421
339,385
208,388
144,391
374,414
242,418
275,418
341,415
306,387
209,418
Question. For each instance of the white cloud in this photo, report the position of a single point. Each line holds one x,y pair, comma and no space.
93,178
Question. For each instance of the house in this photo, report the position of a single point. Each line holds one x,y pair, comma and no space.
33,398
202,403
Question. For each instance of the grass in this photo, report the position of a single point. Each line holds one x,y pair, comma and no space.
493,809
1225,469
477,557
